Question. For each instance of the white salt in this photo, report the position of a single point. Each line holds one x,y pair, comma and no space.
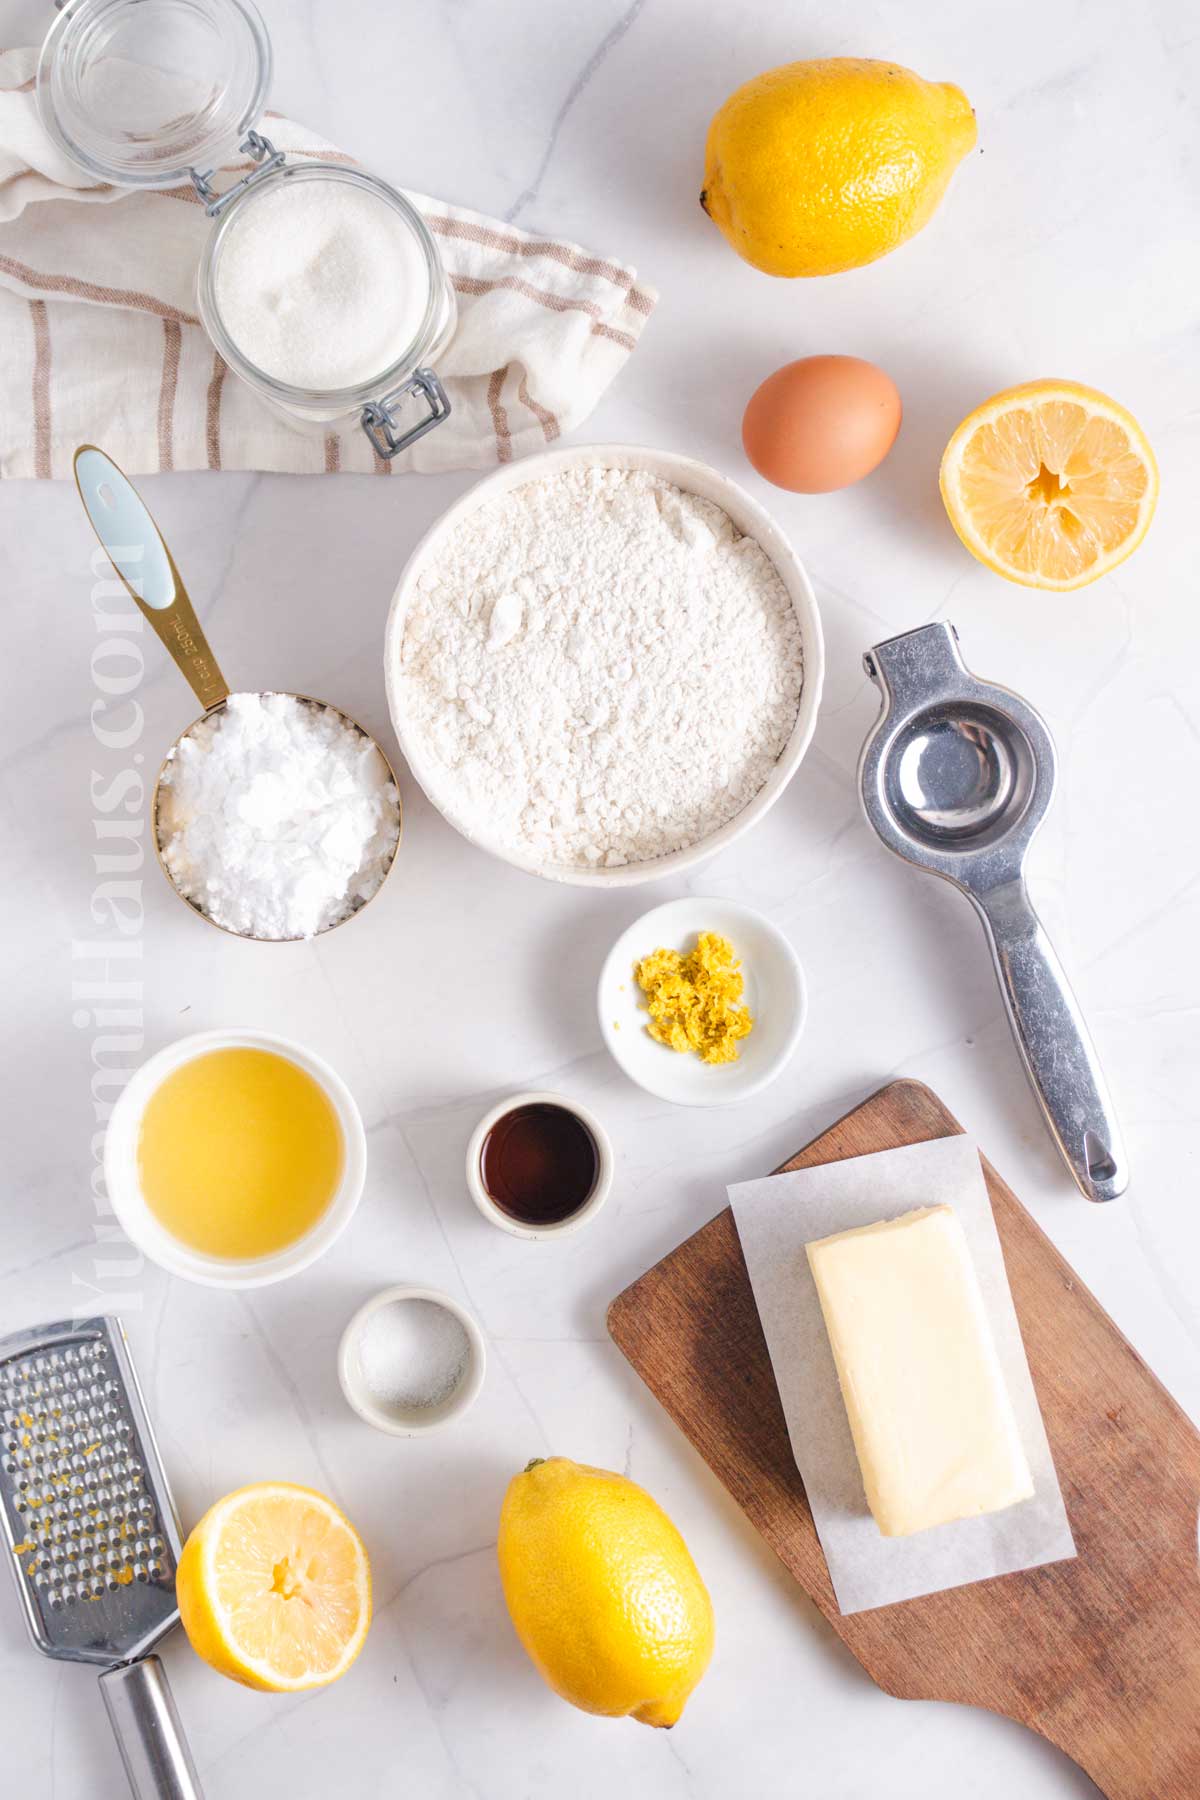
277,817
413,1353
320,284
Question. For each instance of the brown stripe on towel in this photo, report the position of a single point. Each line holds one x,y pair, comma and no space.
212,414
333,453
172,345
474,284
41,389
600,329
471,232
499,416
90,290
543,415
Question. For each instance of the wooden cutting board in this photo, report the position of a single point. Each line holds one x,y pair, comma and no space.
1102,1654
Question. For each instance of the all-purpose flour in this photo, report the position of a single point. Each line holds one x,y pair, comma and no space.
598,668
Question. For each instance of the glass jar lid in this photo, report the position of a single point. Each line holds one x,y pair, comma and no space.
144,92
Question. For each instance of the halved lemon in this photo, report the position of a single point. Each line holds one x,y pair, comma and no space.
274,1588
1050,484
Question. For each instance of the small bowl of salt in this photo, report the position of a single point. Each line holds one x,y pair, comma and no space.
411,1359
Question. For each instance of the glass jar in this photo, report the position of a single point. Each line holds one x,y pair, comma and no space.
158,94
385,395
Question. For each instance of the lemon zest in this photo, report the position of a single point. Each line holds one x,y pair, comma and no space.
695,1001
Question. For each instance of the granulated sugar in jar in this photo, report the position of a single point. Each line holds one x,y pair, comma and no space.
321,285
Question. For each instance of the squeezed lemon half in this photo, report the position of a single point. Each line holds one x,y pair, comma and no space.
274,1588
1051,484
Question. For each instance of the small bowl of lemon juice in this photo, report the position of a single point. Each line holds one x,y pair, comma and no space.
234,1158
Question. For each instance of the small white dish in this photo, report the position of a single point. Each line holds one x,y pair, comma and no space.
388,1415
601,1187
152,1237
775,994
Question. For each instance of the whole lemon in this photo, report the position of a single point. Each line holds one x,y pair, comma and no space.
602,1591
817,167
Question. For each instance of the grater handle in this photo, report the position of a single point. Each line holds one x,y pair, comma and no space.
143,1717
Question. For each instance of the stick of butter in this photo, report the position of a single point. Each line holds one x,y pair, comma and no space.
931,1418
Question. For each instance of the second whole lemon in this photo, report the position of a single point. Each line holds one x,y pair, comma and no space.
817,167
603,1592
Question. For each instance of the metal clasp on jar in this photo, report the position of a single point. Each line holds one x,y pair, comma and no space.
380,425
264,153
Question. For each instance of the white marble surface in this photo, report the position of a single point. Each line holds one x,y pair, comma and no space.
1066,245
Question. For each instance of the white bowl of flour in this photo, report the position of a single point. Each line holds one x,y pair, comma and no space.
604,663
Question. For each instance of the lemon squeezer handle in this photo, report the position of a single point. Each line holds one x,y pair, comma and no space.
135,547
1055,1044
153,1748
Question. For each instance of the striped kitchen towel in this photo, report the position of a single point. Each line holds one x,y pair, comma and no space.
100,340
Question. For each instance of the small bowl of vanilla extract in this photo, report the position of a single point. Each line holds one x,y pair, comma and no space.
539,1165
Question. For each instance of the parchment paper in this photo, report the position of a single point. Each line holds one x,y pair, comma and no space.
775,1218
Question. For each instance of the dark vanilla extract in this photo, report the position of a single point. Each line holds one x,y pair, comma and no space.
539,1164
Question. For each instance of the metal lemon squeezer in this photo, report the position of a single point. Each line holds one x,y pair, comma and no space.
956,776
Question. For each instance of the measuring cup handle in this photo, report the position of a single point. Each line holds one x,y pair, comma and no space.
135,547
141,1710
1056,1048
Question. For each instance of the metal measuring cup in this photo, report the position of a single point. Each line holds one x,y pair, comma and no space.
138,552
956,776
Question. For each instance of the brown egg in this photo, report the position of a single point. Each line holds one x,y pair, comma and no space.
821,423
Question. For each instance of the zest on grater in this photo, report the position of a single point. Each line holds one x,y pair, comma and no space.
92,1531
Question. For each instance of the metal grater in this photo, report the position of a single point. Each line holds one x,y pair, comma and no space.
91,1531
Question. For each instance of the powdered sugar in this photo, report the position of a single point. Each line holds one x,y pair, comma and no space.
597,668
277,817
